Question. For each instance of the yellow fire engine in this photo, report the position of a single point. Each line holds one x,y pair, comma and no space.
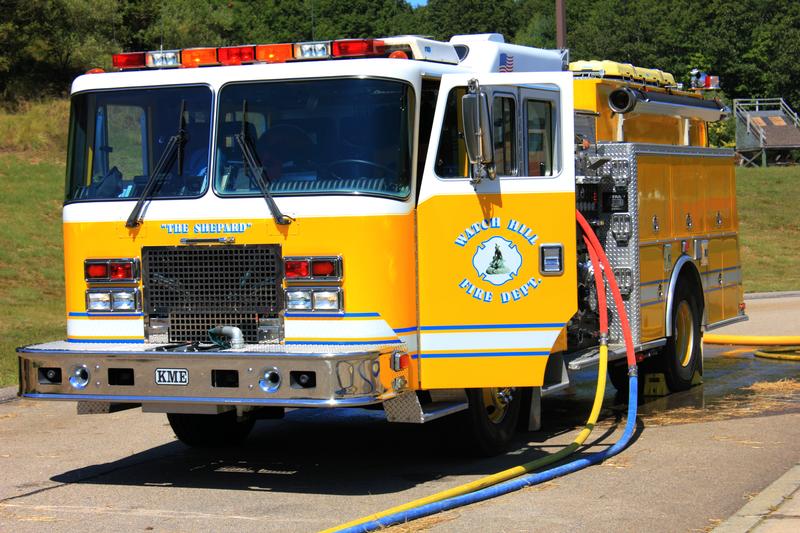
356,222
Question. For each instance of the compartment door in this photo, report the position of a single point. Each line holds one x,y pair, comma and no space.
489,313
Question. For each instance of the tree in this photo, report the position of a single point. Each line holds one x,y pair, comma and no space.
445,18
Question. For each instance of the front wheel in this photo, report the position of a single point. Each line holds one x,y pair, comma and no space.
210,431
493,416
683,351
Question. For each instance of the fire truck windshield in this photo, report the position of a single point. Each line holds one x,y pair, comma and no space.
117,138
332,136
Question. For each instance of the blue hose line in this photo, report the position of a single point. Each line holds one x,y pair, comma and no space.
517,483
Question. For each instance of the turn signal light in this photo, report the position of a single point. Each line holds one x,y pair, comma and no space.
325,268
104,270
121,270
313,268
296,269
96,270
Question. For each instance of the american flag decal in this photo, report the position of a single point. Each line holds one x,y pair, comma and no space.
506,63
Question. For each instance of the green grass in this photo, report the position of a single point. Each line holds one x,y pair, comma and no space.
769,223
31,264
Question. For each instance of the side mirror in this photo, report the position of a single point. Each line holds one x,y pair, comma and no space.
477,127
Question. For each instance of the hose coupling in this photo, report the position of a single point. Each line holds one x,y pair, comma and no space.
633,370
603,339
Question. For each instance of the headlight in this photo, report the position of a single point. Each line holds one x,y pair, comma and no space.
98,301
298,300
326,301
112,300
123,301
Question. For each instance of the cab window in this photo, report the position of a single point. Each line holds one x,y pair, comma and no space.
539,137
504,125
451,157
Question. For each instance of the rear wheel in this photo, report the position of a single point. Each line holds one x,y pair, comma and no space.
210,431
493,415
681,356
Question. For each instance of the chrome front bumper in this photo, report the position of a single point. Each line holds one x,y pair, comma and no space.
343,378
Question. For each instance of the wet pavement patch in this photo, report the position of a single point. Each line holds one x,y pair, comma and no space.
735,385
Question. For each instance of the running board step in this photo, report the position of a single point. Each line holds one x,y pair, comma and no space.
591,356
406,408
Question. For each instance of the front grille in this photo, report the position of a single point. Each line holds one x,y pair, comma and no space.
199,287
188,327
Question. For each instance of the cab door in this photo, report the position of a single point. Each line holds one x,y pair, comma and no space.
496,261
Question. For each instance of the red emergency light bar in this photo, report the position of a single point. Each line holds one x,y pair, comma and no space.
236,55
268,53
129,60
357,48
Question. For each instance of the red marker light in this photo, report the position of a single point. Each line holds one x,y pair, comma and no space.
129,60
121,271
96,270
296,269
357,48
405,361
236,55
323,268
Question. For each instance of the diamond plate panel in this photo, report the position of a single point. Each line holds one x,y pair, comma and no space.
622,169
404,408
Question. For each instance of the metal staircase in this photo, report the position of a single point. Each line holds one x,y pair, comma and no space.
764,124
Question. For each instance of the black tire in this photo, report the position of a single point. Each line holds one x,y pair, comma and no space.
210,431
491,429
680,358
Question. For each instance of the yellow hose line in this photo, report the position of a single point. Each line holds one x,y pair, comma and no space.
751,340
510,473
790,353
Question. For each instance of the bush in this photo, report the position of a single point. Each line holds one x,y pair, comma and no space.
36,126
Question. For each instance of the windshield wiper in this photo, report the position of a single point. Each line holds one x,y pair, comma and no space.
257,170
174,144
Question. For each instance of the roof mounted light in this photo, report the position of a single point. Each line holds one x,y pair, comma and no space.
129,60
274,53
357,48
236,55
163,58
199,57
312,50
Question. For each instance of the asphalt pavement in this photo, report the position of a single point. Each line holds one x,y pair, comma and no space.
697,458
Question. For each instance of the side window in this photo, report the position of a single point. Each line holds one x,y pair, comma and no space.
451,157
539,137
505,148
427,107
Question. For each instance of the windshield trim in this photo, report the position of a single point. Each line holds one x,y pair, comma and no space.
137,88
412,129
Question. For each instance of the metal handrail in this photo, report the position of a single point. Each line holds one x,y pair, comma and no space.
756,130
769,104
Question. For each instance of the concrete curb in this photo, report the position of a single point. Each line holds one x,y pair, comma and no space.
768,501
767,295
8,394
